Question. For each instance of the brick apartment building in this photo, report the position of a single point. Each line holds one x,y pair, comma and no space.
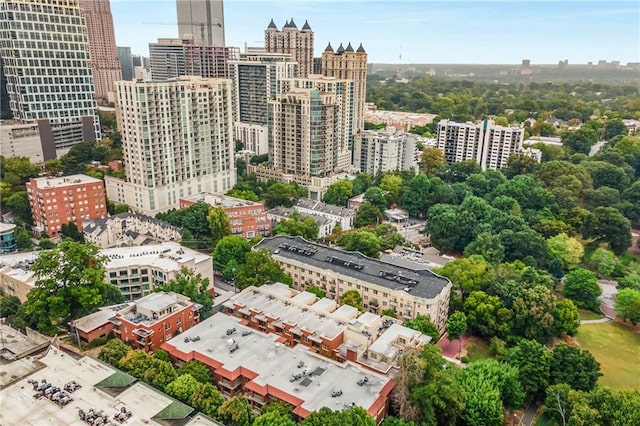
146,323
58,201
248,219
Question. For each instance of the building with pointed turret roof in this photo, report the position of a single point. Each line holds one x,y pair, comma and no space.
293,41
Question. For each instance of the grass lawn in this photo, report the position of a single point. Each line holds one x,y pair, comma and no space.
589,315
543,421
617,348
477,349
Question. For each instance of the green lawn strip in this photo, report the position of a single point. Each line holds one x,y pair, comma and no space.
589,315
617,348
477,349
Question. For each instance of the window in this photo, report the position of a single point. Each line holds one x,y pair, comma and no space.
179,320
167,326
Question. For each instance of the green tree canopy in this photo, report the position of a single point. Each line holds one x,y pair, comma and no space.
182,387
368,214
236,411
193,285
627,305
581,286
575,367
608,225
338,193
424,325
297,224
113,352
219,224
533,362
365,242
352,298
260,268
230,248
197,370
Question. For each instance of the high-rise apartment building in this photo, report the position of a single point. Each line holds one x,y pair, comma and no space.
292,41
384,151
490,145
176,57
204,19
104,60
346,63
177,138
311,125
58,201
43,44
126,62
256,79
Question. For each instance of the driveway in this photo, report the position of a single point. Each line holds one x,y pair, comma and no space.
609,292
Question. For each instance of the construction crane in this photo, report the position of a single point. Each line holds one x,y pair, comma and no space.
202,26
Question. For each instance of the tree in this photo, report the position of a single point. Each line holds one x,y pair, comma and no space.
197,370
296,224
18,204
159,374
627,305
604,261
416,196
70,230
565,248
355,416
608,225
46,244
566,318
193,285
23,239
488,246
260,268
391,185
457,326
468,274
183,387
273,418
338,193
70,283
279,194
236,411
136,362
575,367
533,313
219,224
375,196
207,399
368,214
162,355
362,182
581,286
352,298
581,140
486,315
388,235
17,170
316,291
228,249
113,352
557,404
615,127
424,325
519,165
430,159
365,242
533,362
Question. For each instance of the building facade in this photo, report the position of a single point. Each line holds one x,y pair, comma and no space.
58,201
203,19
177,138
335,214
381,285
490,145
129,229
126,62
292,41
8,238
256,79
248,219
383,151
311,126
45,58
346,63
104,61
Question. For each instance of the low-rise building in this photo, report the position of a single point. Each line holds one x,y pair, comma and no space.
356,201
16,277
381,285
247,218
129,229
7,238
259,365
336,214
58,201
277,214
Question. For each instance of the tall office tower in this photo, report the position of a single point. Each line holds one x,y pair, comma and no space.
352,65
295,42
177,140
104,60
310,126
175,57
43,44
126,62
485,142
384,151
256,79
204,19
5,109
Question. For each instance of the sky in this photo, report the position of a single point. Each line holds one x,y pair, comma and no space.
418,31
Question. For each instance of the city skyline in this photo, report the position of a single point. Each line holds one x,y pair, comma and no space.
500,32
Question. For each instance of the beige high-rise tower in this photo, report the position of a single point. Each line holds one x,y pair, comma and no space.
292,41
204,19
346,63
104,60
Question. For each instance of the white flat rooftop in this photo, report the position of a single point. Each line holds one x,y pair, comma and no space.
58,182
168,256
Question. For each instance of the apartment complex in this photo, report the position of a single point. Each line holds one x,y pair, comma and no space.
203,19
43,45
280,213
256,79
490,145
57,201
259,366
292,41
346,63
104,61
311,126
130,229
382,285
136,271
177,138
335,214
339,332
383,151
248,219
177,57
